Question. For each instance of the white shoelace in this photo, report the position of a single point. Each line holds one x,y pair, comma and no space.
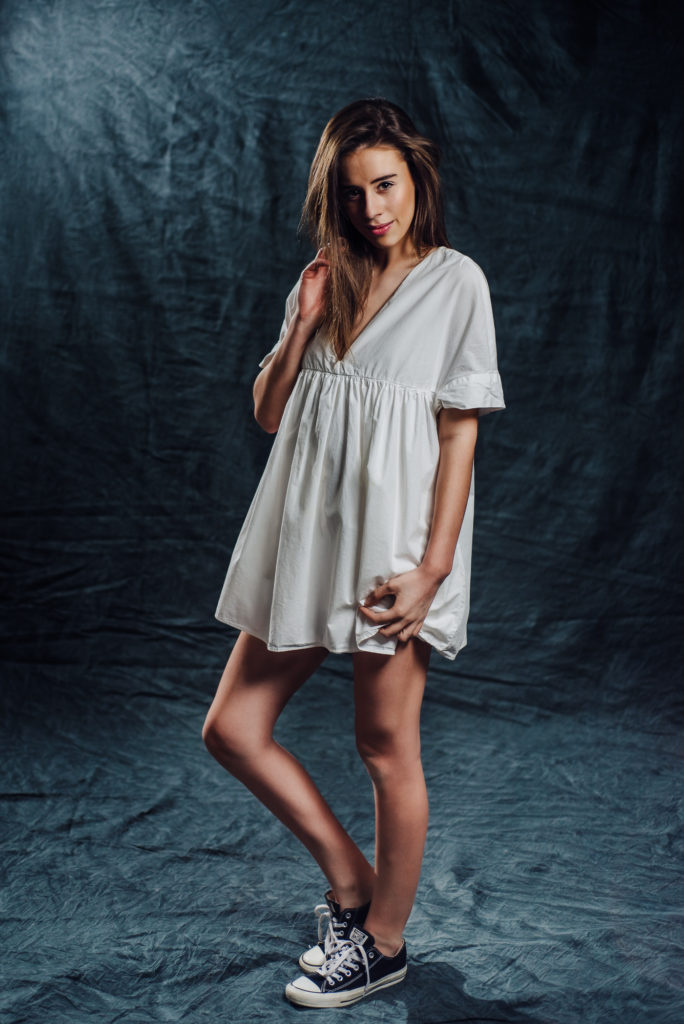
322,912
332,938
345,960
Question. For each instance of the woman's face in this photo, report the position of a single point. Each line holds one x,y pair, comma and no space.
377,191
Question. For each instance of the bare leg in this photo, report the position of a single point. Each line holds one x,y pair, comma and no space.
388,692
255,687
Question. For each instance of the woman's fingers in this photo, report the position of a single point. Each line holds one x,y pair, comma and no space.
314,267
377,594
381,590
411,601
316,263
391,624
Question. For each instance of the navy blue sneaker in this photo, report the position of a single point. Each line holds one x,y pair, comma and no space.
339,924
354,969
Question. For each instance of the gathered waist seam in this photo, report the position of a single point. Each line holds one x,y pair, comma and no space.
365,376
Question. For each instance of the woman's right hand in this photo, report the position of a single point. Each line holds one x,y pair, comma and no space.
313,290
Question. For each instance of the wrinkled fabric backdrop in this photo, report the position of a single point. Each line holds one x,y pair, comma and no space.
154,161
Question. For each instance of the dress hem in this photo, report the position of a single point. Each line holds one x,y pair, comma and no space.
331,650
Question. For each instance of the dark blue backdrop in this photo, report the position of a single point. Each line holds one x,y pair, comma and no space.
154,162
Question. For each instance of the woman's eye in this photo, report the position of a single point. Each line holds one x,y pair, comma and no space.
353,193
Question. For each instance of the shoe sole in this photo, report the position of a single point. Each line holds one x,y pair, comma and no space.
302,998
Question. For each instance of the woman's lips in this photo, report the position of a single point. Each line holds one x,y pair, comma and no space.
382,228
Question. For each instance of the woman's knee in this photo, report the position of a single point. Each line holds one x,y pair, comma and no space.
224,739
212,735
388,755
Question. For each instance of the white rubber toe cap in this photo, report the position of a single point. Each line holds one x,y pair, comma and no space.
312,959
304,984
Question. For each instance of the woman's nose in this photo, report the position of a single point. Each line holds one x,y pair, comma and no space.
373,206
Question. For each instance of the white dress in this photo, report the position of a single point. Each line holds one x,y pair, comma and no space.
346,497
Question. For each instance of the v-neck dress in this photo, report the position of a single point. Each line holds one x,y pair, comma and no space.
346,498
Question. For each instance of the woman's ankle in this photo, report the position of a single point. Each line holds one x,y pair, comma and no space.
388,944
352,896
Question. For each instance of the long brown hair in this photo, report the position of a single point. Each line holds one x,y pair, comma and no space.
372,121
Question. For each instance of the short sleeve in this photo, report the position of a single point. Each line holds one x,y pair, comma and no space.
290,307
470,375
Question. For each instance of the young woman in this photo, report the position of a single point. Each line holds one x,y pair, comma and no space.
358,537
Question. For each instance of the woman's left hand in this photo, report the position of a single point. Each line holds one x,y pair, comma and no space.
413,592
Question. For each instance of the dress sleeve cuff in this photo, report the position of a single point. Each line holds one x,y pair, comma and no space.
481,391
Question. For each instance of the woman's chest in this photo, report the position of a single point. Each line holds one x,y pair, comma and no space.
404,343
381,293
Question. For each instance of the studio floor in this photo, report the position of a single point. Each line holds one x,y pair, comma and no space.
144,884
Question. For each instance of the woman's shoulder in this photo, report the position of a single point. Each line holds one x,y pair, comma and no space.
457,269
459,264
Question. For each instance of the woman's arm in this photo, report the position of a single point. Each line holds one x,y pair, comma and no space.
457,429
414,590
273,385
